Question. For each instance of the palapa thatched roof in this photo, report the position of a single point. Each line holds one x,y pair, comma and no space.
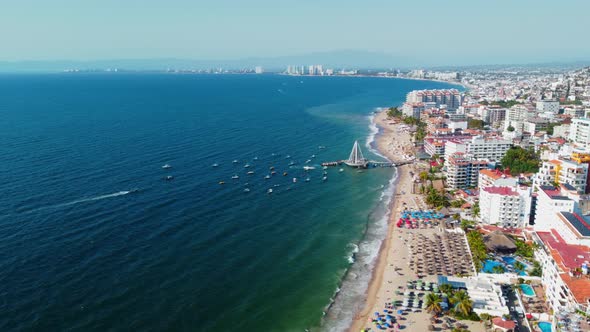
499,242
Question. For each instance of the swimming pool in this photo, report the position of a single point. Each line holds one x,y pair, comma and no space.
511,260
528,291
489,265
545,326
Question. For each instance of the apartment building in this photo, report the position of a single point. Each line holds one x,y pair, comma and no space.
563,171
480,147
504,206
580,132
462,170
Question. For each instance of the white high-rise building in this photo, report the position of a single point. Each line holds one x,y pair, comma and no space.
563,171
492,149
551,106
504,206
580,132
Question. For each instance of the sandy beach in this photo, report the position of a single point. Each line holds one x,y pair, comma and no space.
392,271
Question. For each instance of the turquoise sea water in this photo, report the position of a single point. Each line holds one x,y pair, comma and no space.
83,250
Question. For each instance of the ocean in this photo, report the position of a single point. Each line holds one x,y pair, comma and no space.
93,237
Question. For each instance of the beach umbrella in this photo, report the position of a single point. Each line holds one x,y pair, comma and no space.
376,313
399,312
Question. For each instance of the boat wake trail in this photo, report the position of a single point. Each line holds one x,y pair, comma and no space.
83,200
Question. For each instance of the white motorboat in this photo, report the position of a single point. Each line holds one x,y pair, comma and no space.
324,178
250,173
247,190
307,180
235,161
269,191
235,177
167,166
341,170
294,180
247,166
308,168
267,177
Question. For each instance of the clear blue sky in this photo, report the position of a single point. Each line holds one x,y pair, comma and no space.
441,31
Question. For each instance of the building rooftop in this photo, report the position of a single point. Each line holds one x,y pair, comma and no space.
551,191
504,324
494,173
569,257
504,191
578,222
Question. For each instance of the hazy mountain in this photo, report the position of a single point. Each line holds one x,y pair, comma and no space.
348,59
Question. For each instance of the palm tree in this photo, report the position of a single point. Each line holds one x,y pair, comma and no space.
462,302
433,303
475,210
498,269
446,288
423,176
519,266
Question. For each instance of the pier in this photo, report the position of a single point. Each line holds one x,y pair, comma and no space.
357,160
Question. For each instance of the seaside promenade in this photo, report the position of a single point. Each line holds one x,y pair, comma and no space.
393,272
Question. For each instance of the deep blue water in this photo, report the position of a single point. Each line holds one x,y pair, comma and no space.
81,252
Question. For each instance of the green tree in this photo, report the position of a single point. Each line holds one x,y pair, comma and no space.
524,249
475,209
510,128
433,302
537,270
478,248
475,124
498,269
520,160
519,266
423,176
462,303
394,112
446,288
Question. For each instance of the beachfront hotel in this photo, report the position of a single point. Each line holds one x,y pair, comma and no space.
462,170
504,206
450,98
480,147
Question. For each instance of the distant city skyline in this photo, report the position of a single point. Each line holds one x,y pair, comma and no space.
425,32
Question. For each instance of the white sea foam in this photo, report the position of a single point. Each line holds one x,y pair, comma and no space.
352,293
373,131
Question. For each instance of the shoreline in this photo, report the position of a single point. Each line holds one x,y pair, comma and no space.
392,270
375,76
387,134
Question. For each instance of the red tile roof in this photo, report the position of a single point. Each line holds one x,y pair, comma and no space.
569,257
504,191
504,324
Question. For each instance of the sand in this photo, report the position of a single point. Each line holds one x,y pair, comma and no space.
392,270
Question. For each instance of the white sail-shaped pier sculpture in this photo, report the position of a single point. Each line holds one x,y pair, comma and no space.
356,158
